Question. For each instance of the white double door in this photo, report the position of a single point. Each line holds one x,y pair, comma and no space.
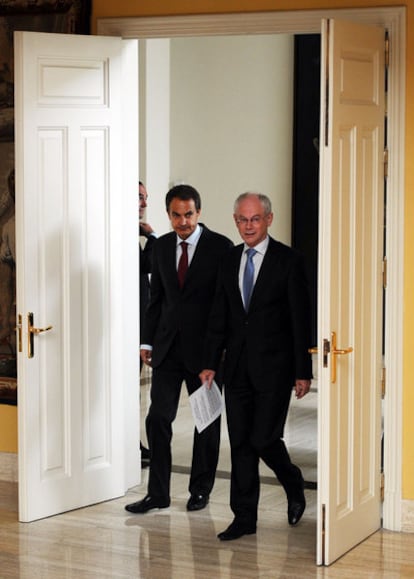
76,110
77,271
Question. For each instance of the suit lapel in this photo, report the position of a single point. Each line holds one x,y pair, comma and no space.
267,270
171,259
233,274
201,249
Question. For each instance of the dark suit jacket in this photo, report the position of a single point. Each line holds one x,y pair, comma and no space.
275,332
185,311
145,266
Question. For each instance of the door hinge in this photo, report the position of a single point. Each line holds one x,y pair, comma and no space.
384,273
323,529
383,377
382,489
385,158
387,50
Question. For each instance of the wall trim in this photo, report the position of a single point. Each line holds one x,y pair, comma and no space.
307,22
9,467
274,22
407,517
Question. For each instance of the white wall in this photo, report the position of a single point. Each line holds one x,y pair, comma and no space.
231,123
154,124
217,112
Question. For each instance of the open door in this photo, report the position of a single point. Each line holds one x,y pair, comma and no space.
76,114
350,286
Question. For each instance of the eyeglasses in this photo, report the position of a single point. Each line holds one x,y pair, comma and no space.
255,220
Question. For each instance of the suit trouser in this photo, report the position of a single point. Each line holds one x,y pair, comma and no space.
256,420
166,386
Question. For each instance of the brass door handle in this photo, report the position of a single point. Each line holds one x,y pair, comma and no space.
19,329
336,352
326,350
31,332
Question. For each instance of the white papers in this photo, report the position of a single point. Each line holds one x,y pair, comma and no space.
206,405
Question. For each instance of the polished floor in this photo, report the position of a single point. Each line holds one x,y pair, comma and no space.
104,541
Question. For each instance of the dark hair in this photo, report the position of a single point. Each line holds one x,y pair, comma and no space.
185,193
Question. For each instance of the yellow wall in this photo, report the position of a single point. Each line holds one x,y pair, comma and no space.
119,8
8,428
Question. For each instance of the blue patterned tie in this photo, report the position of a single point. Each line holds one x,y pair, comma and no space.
248,277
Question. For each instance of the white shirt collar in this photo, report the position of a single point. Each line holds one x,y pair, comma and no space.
194,237
260,247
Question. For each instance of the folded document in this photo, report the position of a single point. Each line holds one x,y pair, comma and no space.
206,405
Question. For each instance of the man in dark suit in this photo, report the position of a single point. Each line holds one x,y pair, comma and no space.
145,266
184,271
261,317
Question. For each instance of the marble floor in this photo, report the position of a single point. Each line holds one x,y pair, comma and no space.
104,541
300,437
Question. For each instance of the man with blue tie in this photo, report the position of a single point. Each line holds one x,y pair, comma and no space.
261,319
185,264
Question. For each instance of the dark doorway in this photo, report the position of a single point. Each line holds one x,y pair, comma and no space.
305,182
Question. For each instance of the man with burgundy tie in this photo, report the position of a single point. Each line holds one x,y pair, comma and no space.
185,264
261,318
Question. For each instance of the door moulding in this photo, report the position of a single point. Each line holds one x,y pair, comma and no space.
309,22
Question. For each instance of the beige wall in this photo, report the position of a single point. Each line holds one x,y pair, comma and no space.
217,113
231,123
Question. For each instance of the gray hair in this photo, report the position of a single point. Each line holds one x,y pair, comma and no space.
264,200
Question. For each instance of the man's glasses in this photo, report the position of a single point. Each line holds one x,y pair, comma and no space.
255,220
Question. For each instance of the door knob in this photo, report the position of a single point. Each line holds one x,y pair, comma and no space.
326,350
331,348
31,332
336,352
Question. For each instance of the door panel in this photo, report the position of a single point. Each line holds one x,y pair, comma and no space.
350,286
77,270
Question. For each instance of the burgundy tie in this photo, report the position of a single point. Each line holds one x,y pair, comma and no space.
183,263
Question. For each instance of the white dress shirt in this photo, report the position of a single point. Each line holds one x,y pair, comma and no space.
261,249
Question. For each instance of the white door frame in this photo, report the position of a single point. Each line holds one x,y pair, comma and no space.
309,22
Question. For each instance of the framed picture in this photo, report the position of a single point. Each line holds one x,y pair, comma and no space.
58,16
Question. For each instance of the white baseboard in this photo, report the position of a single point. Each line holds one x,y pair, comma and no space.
407,516
9,467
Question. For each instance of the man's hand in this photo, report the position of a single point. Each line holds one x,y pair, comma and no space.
207,377
145,229
302,387
146,356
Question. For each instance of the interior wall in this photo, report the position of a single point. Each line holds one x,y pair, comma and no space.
231,123
218,113
8,429
154,127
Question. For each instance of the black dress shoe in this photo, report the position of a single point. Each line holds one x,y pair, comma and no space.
197,502
237,530
296,508
146,504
